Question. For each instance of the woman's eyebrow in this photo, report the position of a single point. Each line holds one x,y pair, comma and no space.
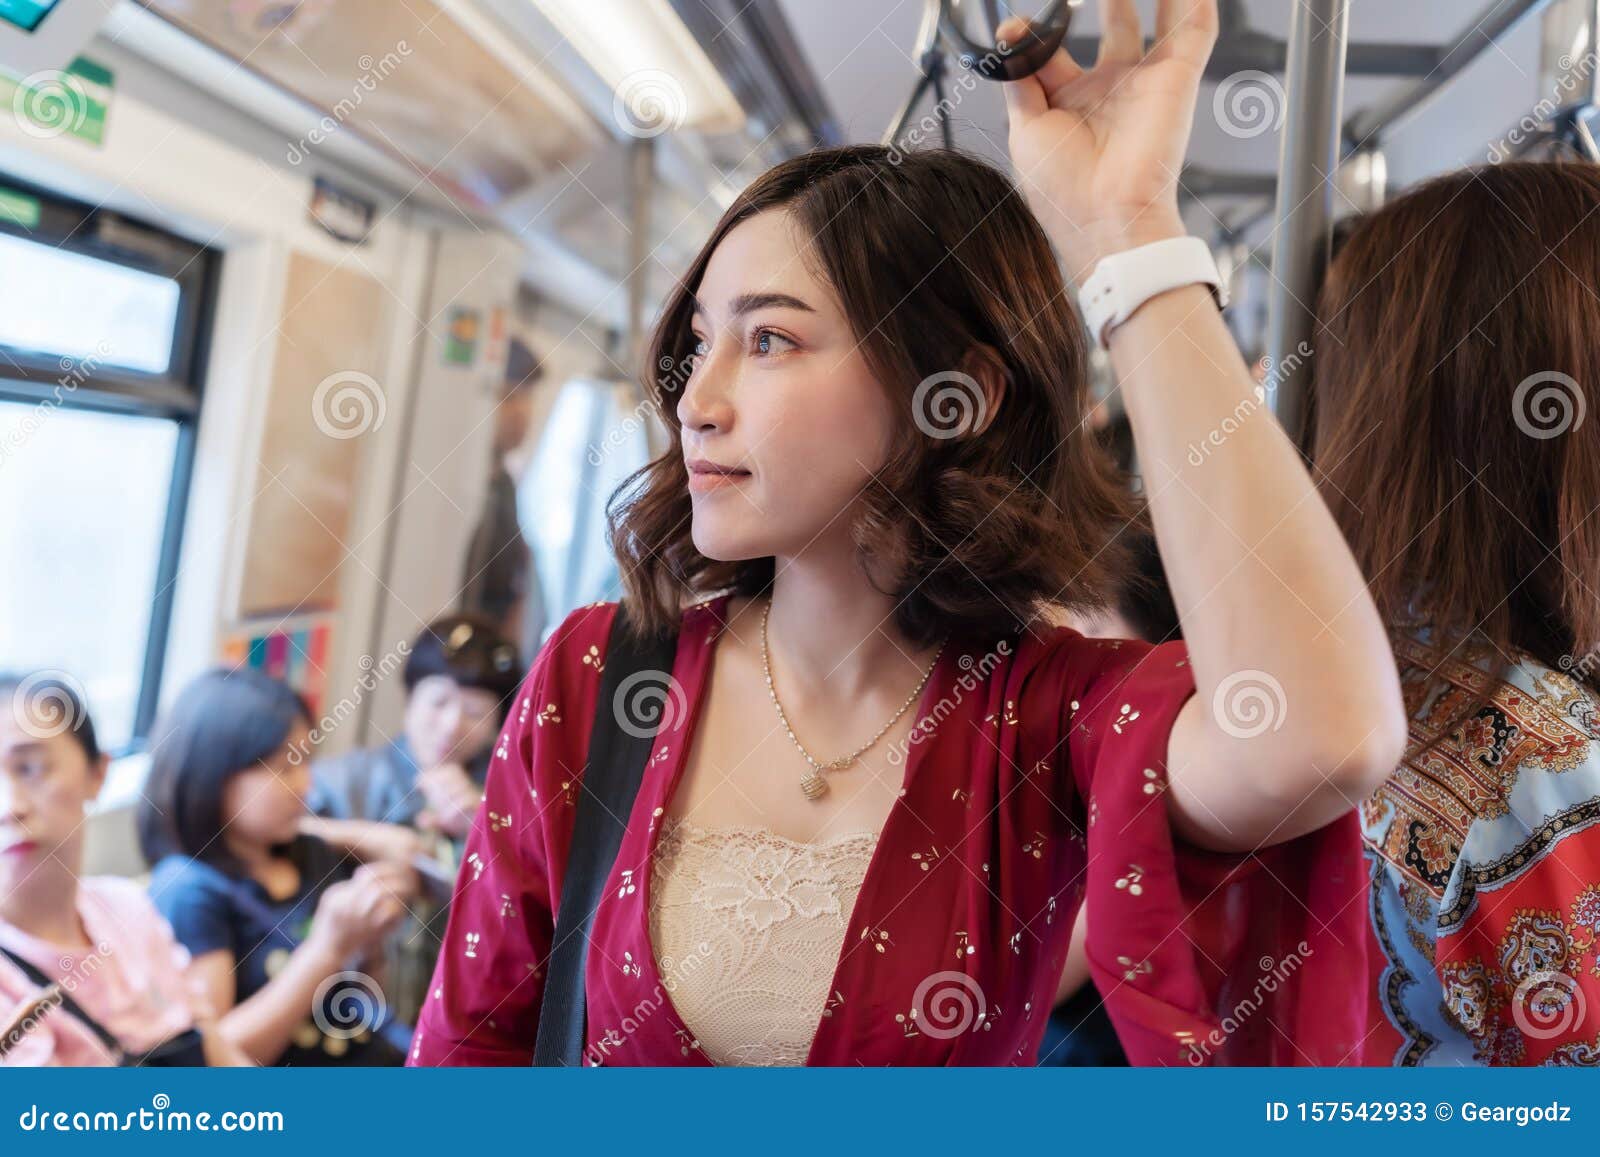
750,302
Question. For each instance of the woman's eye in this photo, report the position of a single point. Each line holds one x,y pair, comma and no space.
765,338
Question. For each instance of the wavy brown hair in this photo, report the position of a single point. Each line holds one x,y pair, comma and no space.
1457,357
937,261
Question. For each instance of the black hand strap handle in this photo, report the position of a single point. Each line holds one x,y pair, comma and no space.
618,751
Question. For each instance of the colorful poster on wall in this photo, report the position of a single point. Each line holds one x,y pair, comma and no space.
69,102
461,340
297,655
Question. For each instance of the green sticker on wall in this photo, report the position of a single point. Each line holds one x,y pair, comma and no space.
19,209
69,102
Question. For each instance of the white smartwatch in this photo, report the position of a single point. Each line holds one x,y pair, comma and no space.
1124,281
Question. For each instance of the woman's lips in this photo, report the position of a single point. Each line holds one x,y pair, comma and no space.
701,482
20,848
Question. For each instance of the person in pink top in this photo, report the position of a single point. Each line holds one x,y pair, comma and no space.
89,971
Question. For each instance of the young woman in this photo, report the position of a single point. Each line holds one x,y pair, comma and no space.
1456,376
89,971
880,785
282,924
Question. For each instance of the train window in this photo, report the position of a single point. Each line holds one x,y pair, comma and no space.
103,330
55,303
85,502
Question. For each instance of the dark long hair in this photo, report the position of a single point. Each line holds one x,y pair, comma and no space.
1457,357
224,722
52,703
936,260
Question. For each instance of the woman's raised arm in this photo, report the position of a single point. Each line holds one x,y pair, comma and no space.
1298,712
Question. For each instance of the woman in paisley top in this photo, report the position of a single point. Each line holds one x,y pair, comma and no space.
873,380
1459,354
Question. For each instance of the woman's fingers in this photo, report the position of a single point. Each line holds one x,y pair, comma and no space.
1121,37
1185,29
1033,95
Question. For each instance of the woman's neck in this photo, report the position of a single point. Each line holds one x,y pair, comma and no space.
835,630
45,906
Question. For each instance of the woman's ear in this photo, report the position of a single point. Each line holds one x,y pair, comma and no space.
984,365
98,768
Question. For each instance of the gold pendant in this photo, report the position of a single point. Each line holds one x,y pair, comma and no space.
814,785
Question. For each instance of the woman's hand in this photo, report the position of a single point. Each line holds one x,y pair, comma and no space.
452,797
1097,152
356,914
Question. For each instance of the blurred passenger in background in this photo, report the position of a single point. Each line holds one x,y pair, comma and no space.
1456,362
460,677
500,581
89,971
286,927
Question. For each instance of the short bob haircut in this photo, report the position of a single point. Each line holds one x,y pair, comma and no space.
225,722
937,261
470,651
1457,357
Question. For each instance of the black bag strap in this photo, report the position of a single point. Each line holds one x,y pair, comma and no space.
611,779
60,996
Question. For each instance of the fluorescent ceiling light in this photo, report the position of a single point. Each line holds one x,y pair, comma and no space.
660,78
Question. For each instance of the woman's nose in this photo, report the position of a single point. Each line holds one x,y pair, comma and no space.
705,404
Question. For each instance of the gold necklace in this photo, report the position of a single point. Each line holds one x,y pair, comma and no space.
814,785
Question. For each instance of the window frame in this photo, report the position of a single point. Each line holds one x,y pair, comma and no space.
105,235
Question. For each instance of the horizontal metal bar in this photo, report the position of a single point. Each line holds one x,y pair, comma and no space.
1252,51
1499,18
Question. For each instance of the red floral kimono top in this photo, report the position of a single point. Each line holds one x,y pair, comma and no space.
1036,778
1484,866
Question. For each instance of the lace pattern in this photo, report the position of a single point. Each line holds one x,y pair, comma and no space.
747,928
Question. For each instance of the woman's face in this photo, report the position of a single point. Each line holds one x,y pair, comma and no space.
781,393
263,805
46,782
448,723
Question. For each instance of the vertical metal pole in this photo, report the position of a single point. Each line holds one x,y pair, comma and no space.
1309,157
641,191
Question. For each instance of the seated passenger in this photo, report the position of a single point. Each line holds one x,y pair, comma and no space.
283,924
460,676
89,971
